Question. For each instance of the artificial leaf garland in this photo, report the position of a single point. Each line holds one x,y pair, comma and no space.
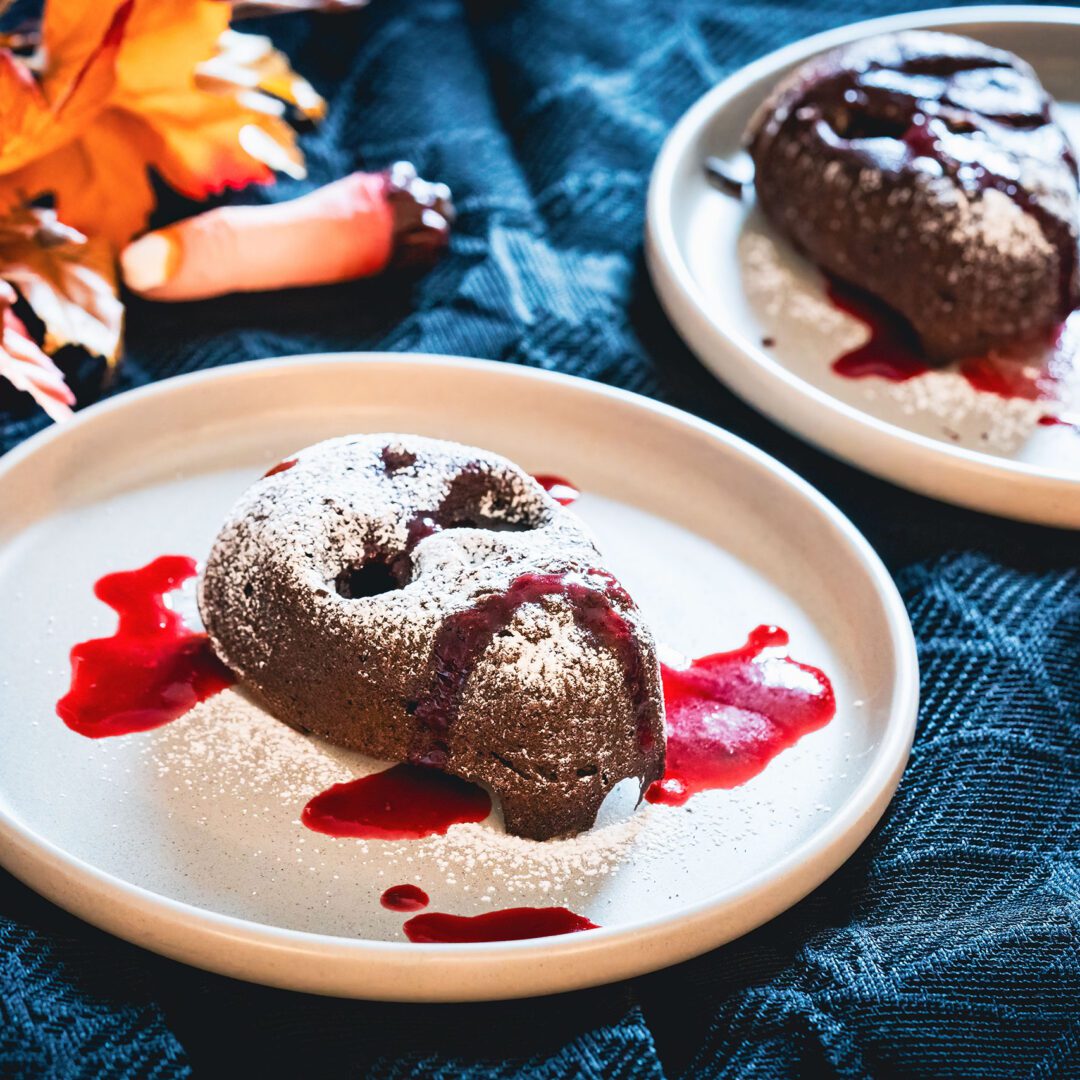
100,95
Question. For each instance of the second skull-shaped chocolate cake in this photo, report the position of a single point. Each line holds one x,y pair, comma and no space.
927,169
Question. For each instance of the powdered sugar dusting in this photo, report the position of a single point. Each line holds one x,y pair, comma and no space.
229,749
1002,225
275,523
234,771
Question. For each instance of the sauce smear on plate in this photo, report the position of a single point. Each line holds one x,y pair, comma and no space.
893,352
153,669
509,924
406,802
731,713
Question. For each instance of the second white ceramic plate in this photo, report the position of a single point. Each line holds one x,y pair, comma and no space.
187,839
756,313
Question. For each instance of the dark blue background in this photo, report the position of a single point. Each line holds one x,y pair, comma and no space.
949,945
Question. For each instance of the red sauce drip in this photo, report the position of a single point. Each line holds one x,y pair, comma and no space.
281,466
730,714
402,803
893,349
153,669
510,924
404,898
893,352
562,491
1054,421
463,637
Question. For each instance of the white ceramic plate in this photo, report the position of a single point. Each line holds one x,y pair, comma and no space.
730,284
186,839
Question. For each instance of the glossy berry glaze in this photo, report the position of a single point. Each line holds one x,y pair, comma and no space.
893,352
401,803
153,669
404,898
562,491
731,713
465,635
510,924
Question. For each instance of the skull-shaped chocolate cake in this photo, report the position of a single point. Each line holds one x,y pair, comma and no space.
423,601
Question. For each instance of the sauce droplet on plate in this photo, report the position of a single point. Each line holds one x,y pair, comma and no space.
280,467
562,491
404,898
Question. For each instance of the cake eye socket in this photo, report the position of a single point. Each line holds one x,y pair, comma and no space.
372,578
861,124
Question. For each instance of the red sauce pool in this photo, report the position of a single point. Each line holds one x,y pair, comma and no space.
404,898
405,802
893,352
510,924
731,713
153,669
562,491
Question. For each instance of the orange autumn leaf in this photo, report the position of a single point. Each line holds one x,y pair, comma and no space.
65,278
26,367
114,90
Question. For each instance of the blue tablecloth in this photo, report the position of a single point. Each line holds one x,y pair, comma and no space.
949,945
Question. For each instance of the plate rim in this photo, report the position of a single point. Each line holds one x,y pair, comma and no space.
155,921
685,304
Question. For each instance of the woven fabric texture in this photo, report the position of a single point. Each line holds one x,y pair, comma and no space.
949,944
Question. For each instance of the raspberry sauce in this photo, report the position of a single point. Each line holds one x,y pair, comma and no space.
1058,421
404,898
153,669
893,352
402,803
280,467
464,635
731,713
510,924
562,491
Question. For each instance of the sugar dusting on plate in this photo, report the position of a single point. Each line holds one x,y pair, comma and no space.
236,773
810,333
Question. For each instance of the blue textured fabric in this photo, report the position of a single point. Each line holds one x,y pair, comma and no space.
948,945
